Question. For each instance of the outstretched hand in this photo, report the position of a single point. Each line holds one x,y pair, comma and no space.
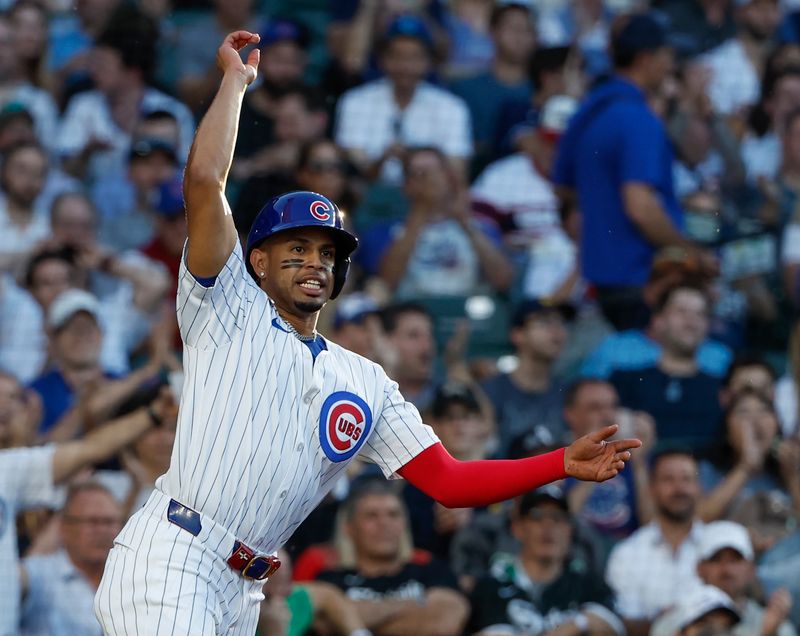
594,458
228,58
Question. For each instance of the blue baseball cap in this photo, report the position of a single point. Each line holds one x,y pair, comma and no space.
282,30
169,198
353,308
409,26
641,32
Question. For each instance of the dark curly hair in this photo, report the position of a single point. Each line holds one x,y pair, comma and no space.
134,36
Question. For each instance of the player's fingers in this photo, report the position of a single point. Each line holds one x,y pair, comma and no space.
235,36
254,58
603,433
625,444
241,39
608,474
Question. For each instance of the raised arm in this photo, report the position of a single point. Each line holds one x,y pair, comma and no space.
212,234
108,440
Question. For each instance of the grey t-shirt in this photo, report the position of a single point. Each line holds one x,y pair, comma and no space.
536,415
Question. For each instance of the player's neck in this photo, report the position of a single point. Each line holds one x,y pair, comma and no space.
304,325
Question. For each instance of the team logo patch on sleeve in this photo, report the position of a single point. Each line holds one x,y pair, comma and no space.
344,425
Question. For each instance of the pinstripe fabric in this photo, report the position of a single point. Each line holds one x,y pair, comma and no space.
159,579
248,455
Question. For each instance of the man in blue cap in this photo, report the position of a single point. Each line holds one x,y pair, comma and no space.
616,158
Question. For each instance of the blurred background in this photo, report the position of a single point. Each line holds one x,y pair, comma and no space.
571,213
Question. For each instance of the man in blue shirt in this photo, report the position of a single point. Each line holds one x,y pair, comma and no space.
616,158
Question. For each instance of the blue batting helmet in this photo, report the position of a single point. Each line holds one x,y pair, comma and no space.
303,209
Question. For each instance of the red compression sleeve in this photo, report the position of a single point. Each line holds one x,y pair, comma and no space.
457,484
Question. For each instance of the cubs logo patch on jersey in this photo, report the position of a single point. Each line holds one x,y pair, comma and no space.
344,425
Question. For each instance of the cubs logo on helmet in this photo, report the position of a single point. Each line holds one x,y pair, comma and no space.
345,422
320,210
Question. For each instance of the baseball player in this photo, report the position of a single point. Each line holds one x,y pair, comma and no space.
271,412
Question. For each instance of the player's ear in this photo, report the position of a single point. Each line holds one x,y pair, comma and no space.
258,260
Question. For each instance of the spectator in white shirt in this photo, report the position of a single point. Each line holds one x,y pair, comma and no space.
376,122
23,220
95,135
21,332
737,64
668,545
727,563
28,477
519,186
58,589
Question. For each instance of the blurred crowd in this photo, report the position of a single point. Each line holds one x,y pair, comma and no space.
571,213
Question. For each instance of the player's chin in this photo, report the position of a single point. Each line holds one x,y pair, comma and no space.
311,305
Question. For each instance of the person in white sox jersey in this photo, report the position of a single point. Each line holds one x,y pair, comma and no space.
272,412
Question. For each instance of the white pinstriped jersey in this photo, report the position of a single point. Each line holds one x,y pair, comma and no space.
263,428
26,481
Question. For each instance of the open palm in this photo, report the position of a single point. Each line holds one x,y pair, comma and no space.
593,458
